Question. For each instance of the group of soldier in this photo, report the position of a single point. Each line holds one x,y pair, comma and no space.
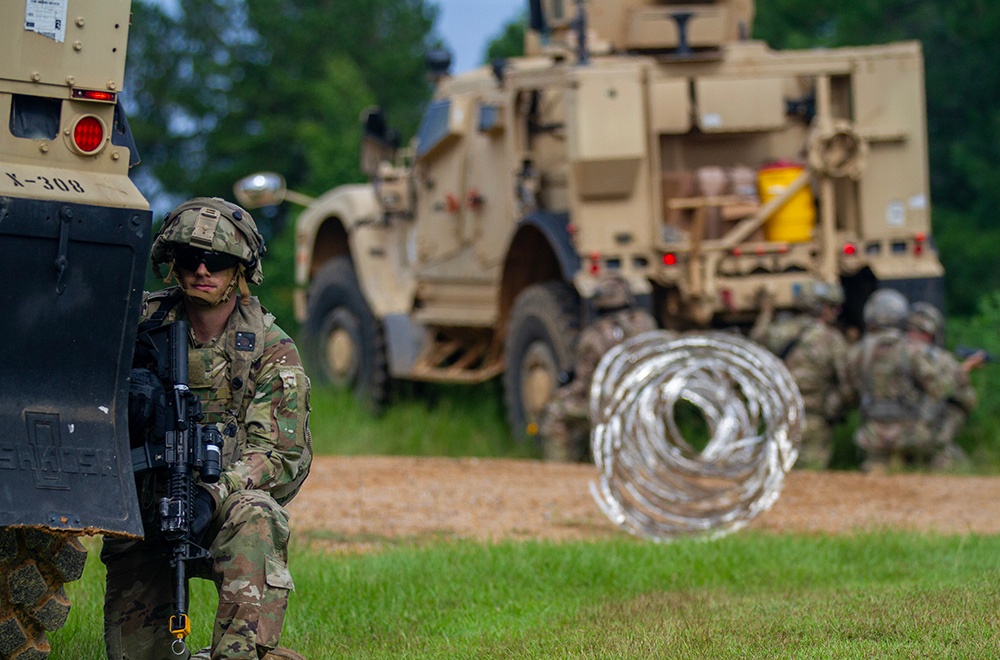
912,395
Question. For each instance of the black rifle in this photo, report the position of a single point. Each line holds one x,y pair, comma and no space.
180,448
962,352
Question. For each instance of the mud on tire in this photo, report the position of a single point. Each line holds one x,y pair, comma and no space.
34,566
541,337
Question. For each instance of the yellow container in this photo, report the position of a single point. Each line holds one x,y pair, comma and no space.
793,222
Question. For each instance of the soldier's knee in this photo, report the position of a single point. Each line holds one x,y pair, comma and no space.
252,522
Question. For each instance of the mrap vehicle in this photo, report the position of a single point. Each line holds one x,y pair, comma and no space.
648,139
74,244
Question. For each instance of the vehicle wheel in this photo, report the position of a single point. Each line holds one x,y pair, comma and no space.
34,566
538,350
344,341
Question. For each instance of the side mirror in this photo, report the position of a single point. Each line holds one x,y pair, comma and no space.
260,189
379,142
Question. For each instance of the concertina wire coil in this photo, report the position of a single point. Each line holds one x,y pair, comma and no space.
652,481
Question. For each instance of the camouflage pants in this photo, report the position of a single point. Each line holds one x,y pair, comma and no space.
817,443
249,550
949,454
565,426
904,441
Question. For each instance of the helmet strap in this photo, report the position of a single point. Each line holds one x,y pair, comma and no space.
244,289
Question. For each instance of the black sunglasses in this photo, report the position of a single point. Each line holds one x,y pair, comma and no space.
190,258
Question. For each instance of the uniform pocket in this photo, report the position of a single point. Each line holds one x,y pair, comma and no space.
277,574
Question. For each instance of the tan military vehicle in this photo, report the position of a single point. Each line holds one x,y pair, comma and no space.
644,138
74,243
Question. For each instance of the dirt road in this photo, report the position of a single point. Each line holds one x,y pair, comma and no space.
364,500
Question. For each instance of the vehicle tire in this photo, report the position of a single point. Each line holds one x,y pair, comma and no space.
34,566
345,343
538,351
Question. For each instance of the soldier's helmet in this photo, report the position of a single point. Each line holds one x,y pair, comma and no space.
816,295
925,317
612,293
886,308
215,225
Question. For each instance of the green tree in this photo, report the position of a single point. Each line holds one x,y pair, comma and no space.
509,42
220,88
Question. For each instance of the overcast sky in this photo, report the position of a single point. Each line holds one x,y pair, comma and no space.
466,26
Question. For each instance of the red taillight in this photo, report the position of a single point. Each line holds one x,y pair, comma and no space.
918,243
669,259
595,263
94,95
849,249
88,134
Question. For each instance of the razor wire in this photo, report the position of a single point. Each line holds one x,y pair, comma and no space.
652,481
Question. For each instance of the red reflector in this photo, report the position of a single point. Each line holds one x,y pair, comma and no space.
88,134
669,259
849,249
918,249
94,95
737,251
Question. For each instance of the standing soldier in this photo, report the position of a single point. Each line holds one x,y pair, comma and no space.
925,327
815,353
565,421
897,385
247,374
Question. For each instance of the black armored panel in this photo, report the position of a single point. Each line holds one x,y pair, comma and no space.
71,281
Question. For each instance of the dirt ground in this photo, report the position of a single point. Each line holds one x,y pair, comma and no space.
355,503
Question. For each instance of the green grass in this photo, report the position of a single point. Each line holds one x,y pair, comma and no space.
749,595
425,420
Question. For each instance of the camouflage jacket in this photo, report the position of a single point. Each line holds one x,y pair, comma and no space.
601,336
816,356
252,386
898,379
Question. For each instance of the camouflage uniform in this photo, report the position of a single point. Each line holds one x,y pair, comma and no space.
565,421
960,399
902,394
815,353
925,325
252,386
904,386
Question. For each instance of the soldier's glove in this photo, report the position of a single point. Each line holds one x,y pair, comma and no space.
146,406
204,508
